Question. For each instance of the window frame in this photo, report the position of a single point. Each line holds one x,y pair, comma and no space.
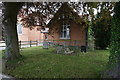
18,32
64,30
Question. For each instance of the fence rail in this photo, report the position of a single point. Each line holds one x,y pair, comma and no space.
2,44
21,43
50,42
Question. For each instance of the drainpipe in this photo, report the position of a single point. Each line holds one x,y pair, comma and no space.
86,39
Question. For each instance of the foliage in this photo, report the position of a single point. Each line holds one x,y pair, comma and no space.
2,54
115,37
113,70
37,13
101,29
101,24
42,63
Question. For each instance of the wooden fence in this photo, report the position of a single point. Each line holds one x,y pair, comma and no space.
28,43
50,42
2,44
22,43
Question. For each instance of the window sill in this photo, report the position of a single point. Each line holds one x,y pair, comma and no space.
64,38
20,34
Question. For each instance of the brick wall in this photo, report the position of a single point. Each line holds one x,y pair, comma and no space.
28,35
77,33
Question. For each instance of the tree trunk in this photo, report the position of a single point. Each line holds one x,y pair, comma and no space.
10,20
12,46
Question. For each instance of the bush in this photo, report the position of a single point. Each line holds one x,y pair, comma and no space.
115,36
113,70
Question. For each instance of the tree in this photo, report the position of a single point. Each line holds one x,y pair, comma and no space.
99,25
113,68
102,25
38,13
1,25
114,59
101,29
101,22
33,12
10,20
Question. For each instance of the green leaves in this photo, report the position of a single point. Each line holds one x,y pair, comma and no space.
93,4
115,37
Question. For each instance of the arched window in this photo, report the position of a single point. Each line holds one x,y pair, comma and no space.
65,31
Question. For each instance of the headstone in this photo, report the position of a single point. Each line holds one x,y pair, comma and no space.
59,49
68,51
83,48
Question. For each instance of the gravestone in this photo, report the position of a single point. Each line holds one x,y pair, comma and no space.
62,49
59,49
83,48
68,51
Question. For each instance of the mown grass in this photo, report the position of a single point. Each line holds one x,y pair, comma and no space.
43,63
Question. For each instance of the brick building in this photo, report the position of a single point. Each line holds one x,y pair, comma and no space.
67,27
25,34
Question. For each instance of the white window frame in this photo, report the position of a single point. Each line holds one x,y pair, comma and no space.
64,31
19,30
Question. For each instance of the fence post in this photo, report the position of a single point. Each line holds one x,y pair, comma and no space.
30,43
20,44
53,42
39,42
36,42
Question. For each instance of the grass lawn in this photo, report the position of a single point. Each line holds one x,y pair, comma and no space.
43,63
